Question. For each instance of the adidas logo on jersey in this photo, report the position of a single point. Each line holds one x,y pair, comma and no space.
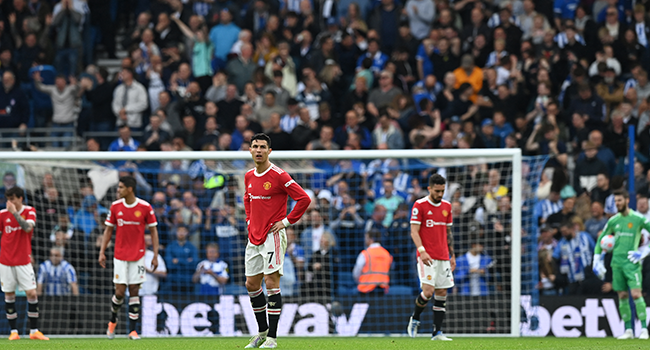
250,185
270,266
8,220
119,214
429,213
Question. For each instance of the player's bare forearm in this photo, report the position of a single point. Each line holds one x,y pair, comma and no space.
26,226
153,230
450,241
108,233
415,235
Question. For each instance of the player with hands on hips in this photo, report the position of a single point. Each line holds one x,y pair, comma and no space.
626,226
265,200
432,234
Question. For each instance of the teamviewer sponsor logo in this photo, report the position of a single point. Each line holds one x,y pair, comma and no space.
261,197
121,222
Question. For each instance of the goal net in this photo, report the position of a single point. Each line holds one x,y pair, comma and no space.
353,192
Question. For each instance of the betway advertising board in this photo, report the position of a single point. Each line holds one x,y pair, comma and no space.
573,316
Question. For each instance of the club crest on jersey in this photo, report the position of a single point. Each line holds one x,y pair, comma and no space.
630,225
137,213
429,277
267,185
445,213
117,276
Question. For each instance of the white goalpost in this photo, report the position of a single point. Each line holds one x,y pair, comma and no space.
182,310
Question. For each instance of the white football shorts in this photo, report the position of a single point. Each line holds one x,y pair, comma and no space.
267,257
437,275
22,276
129,272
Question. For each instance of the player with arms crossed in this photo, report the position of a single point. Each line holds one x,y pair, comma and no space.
17,224
431,232
626,227
265,199
130,214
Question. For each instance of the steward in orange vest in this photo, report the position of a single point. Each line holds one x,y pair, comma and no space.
372,268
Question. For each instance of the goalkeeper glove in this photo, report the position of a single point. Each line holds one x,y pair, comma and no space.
636,256
599,266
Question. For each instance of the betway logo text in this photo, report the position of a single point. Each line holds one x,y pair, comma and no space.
192,321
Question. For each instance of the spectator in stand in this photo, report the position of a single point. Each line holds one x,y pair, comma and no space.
341,134
191,133
282,95
387,134
604,154
280,139
14,106
602,190
311,236
377,58
211,273
588,168
595,224
590,105
469,73
202,52
383,94
182,257
240,70
130,100
64,104
67,22
101,97
56,277
321,269
566,213
292,117
166,32
573,256
87,217
124,143
154,134
229,108
211,132
270,106
472,273
152,283
217,91
305,131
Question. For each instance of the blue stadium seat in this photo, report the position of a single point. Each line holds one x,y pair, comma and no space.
400,290
346,291
234,289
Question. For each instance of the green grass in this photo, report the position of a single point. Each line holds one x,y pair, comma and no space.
361,343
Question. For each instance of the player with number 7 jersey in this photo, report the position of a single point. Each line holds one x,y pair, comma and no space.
129,216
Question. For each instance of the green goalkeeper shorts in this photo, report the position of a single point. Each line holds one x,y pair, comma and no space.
627,276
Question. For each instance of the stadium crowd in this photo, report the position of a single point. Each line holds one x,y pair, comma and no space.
562,79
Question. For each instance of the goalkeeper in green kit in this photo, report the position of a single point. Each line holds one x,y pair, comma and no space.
626,227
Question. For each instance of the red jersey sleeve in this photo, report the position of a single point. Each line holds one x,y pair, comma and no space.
298,194
450,220
30,216
110,218
150,219
416,214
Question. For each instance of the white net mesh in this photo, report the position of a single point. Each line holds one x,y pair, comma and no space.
319,291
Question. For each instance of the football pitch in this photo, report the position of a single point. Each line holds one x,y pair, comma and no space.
338,343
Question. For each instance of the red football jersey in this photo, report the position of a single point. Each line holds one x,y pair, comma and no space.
265,201
433,220
16,244
130,221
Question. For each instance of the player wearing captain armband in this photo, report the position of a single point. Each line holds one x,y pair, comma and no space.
265,201
431,232
626,227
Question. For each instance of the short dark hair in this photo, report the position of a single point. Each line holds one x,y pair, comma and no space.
15,192
375,235
129,181
262,137
103,73
568,222
437,179
623,193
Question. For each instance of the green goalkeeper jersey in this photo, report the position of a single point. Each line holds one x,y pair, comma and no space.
627,233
